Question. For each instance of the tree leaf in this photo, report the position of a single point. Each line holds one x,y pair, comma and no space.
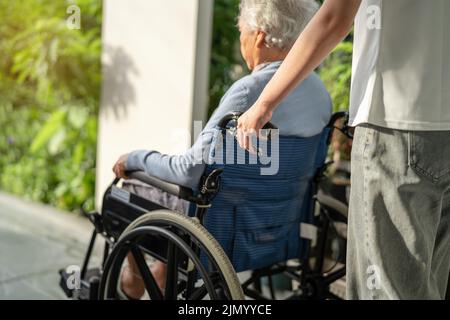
53,124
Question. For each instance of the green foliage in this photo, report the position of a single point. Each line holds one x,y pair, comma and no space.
336,72
227,65
50,87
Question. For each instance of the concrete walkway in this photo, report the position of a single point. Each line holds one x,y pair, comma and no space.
35,242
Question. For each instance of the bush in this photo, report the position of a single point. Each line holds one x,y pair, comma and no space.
50,88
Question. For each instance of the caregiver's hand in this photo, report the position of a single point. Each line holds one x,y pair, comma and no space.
120,167
250,124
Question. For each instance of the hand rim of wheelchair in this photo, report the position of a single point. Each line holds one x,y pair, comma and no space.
123,248
196,231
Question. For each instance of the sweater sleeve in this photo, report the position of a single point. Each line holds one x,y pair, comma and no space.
187,169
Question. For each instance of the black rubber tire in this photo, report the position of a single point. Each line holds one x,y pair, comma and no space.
198,231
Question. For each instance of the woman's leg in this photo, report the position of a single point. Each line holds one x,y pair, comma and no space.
399,238
132,283
131,280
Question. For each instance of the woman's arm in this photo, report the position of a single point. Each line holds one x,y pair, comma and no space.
186,169
329,26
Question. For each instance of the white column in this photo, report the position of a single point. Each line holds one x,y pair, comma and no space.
155,78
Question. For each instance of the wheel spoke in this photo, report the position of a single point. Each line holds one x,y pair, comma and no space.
149,281
198,294
172,273
201,292
181,252
272,291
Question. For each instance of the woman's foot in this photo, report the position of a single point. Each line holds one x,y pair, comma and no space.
132,284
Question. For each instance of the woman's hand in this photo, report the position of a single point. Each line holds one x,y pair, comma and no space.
120,167
250,124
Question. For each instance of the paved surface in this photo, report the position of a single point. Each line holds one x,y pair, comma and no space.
35,242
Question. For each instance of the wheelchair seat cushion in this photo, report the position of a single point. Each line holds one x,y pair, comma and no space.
256,218
156,195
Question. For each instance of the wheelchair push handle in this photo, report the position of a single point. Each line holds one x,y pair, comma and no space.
234,116
229,123
345,129
336,116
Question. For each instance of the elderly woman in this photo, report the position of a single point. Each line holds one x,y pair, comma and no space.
268,30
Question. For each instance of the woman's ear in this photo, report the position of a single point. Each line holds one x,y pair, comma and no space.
260,39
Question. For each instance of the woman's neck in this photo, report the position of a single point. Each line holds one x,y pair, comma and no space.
269,56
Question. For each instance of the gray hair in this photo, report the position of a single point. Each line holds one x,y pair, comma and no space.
281,20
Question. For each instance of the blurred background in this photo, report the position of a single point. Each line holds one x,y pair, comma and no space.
50,86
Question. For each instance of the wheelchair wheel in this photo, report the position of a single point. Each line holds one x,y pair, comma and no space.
185,240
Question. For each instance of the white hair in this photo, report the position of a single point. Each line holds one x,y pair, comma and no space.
282,20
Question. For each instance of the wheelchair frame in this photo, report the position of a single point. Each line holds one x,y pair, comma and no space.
313,282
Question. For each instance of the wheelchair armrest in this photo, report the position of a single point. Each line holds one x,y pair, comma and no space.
173,189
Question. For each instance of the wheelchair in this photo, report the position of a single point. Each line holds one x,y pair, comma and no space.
268,226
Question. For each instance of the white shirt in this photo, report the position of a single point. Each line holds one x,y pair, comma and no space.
401,65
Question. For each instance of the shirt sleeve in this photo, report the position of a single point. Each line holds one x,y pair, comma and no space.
187,169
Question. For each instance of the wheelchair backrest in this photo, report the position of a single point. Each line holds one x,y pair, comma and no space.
256,217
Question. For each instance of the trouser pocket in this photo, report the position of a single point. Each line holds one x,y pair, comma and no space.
429,154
